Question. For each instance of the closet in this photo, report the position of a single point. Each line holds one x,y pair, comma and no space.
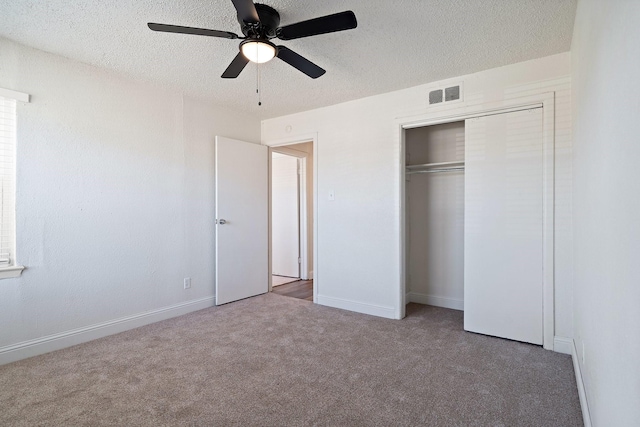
474,221
435,214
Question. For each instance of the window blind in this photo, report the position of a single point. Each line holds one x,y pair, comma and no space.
7,180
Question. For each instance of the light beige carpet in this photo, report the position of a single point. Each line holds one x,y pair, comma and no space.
278,361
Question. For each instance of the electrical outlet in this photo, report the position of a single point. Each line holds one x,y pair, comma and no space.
187,282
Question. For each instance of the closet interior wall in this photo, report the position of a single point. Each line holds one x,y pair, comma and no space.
435,215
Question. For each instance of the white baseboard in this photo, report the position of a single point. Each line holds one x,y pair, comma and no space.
455,304
22,350
310,275
562,345
358,307
582,395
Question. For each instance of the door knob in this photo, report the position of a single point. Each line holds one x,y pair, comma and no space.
221,221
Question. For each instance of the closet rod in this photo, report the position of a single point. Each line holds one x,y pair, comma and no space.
454,169
435,165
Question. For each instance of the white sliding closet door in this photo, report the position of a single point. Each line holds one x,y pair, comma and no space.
503,225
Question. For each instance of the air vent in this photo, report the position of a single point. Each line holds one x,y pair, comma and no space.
449,94
452,93
435,96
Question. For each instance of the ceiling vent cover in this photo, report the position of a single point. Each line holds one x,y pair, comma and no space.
444,95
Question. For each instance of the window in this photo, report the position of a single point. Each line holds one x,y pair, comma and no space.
8,104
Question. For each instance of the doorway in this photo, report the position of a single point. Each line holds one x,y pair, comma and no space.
285,218
292,220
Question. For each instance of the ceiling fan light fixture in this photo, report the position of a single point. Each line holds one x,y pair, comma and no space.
259,51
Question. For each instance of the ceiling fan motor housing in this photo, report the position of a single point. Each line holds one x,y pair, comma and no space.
266,28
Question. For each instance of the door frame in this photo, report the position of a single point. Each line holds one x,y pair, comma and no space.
463,112
304,254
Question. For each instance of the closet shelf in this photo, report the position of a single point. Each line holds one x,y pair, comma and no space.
436,167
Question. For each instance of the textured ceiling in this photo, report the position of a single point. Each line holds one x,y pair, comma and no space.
397,44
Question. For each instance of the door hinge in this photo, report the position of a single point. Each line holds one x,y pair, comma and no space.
299,260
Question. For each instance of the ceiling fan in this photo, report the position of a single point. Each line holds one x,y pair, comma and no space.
259,24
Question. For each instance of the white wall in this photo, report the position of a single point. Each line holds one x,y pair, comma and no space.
115,198
606,66
358,260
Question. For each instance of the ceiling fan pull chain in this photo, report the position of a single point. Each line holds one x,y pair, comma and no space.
258,84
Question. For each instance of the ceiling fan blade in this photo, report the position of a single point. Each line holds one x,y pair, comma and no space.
235,68
246,11
322,25
299,62
190,30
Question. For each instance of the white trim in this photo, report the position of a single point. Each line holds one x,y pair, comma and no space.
284,149
452,303
358,307
548,219
18,96
568,346
475,110
298,139
291,140
562,345
269,208
310,275
316,236
11,272
401,303
303,218
545,100
12,353
582,395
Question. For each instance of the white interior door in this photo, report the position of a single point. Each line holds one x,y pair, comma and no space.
503,244
242,224
285,215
